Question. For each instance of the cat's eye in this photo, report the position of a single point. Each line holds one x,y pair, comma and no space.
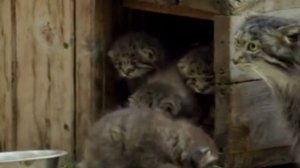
292,38
150,55
253,47
169,109
133,63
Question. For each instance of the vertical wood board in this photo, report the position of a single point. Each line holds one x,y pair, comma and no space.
45,74
86,53
7,138
94,90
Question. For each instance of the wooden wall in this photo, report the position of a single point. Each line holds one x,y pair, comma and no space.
37,74
52,71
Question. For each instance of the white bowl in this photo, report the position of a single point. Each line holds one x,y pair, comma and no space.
31,159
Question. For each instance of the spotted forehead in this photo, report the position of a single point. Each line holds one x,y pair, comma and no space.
262,22
254,26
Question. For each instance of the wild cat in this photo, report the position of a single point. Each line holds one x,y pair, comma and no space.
167,92
129,138
270,46
197,70
136,55
196,67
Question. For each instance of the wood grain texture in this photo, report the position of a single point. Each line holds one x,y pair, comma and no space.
261,158
169,9
233,7
161,2
204,5
86,54
7,125
94,91
45,74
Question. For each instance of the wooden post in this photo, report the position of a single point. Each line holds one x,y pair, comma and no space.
95,22
7,54
44,74
240,99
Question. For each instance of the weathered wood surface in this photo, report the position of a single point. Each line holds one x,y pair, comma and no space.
7,126
222,120
255,107
204,5
235,7
222,7
161,2
94,91
44,74
87,35
261,158
169,9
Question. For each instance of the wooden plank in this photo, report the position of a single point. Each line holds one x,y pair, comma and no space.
255,107
231,7
275,5
161,2
45,74
204,5
86,53
7,126
94,90
222,120
224,7
262,158
165,9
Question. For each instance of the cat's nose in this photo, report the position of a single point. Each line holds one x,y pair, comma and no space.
239,57
128,70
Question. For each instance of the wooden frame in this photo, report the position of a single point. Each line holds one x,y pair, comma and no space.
55,81
37,75
95,22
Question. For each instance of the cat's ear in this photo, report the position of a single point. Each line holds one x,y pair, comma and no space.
146,53
290,29
291,33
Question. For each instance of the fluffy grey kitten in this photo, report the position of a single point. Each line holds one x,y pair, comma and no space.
135,55
271,47
196,67
130,138
166,92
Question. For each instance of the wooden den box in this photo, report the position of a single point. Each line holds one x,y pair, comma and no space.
56,80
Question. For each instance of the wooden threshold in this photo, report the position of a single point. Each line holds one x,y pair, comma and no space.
168,9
